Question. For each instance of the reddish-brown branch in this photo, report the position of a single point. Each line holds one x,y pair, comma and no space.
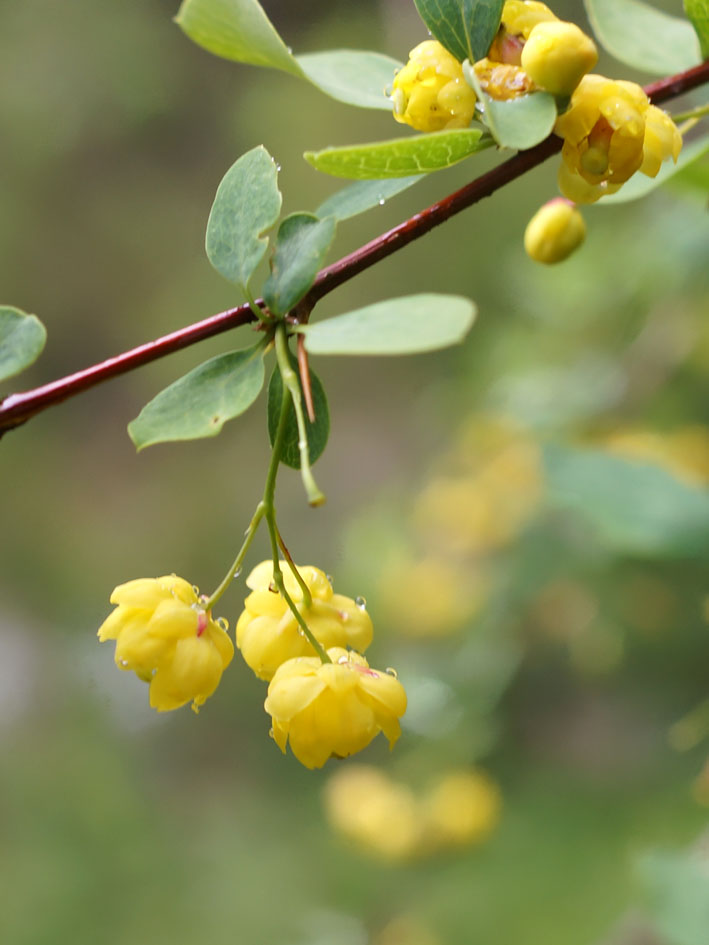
18,408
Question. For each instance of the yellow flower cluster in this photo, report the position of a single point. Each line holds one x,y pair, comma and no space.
610,131
388,820
534,50
430,92
165,636
322,709
484,493
267,632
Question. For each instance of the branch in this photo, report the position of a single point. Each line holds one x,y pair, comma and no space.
16,409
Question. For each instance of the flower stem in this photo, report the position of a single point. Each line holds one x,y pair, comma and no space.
269,512
239,560
290,382
698,112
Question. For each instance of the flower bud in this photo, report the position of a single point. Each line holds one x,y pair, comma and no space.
334,708
554,232
267,632
430,93
165,636
557,55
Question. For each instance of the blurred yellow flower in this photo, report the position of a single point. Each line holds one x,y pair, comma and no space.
430,92
683,452
461,809
432,597
165,636
378,814
610,131
554,232
267,632
335,708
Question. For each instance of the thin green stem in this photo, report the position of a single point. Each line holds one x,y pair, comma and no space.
290,381
269,512
307,596
699,112
239,560
258,312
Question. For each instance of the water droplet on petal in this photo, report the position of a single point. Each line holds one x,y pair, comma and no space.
391,672
223,623
361,602
124,662
382,201
194,588
344,659
330,580
343,615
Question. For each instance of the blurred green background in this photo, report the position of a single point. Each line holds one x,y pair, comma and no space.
565,680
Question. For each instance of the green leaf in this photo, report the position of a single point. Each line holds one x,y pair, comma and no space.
640,186
698,13
247,203
363,195
401,157
318,432
522,122
636,508
643,37
238,30
301,246
357,77
200,403
465,27
407,325
22,339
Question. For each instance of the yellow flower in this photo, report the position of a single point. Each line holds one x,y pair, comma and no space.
461,809
554,232
610,131
165,636
430,92
557,55
335,708
519,17
378,814
268,634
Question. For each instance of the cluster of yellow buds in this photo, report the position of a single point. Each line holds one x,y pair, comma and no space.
323,708
388,820
610,131
164,635
430,93
533,50
485,491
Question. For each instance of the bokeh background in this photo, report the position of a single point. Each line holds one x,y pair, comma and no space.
526,516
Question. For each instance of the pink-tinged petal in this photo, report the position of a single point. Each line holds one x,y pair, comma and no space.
386,692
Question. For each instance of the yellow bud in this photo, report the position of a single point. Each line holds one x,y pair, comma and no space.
430,93
554,232
267,632
334,708
461,809
557,55
165,636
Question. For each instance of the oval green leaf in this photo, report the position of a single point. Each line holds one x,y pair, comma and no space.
640,186
247,203
465,27
301,246
522,122
636,508
237,30
401,157
408,325
364,195
357,77
643,37
199,404
698,13
317,432
22,338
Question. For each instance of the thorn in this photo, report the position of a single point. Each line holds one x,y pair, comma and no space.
305,378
